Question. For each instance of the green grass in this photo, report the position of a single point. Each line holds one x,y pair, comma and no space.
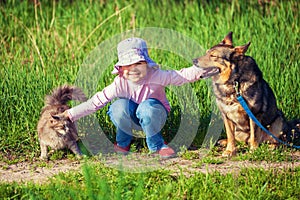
43,46
100,182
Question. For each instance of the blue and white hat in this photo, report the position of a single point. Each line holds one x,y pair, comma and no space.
130,51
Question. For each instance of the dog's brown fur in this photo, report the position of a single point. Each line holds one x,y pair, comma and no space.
54,131
233,72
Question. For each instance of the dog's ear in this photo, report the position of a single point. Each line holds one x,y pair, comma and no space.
227,39
241,50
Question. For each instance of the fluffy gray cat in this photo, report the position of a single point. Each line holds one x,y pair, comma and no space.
55,131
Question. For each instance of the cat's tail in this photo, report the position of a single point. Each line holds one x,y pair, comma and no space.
63,94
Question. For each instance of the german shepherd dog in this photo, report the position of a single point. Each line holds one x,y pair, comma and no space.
234,73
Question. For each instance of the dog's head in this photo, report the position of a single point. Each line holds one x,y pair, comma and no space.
219,60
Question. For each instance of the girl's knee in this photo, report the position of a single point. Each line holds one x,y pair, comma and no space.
151,111
119,109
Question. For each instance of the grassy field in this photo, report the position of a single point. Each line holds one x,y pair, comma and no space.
99,182
43,45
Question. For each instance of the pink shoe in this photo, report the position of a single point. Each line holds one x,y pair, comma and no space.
166,152
121,150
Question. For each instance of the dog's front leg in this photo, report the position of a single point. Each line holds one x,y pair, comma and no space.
229,127
254,133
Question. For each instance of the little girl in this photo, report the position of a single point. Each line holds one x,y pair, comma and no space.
142,103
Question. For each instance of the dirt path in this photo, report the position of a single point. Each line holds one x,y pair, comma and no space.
40,172
29,171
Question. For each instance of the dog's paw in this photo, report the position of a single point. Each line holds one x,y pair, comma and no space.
273,146
222,143
228,153
253,146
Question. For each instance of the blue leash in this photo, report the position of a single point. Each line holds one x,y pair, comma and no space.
250,114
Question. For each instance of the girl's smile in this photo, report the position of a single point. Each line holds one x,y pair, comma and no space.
135,72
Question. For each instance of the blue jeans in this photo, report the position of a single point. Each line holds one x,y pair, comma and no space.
149,116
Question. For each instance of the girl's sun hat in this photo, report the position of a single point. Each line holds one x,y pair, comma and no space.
130,51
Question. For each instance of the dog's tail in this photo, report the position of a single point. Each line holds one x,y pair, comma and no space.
63,94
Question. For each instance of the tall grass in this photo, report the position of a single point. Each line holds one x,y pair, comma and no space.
44,44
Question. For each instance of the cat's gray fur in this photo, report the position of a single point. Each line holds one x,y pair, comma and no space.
55,131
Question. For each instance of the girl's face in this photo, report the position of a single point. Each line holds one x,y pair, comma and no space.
134,72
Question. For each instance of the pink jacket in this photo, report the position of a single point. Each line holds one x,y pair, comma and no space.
153,86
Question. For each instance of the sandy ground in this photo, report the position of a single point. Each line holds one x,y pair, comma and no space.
40,172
